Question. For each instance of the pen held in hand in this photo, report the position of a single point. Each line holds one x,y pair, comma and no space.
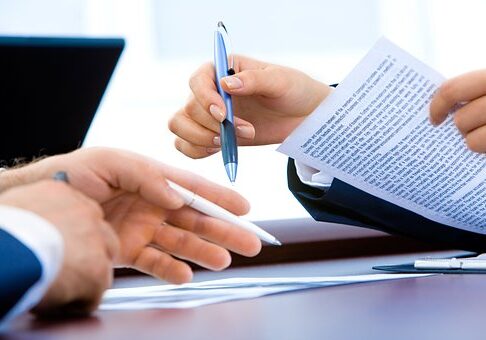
223,68
209,208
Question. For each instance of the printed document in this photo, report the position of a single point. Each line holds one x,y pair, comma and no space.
192,295
373,133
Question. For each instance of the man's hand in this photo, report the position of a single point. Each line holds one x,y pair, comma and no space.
269,102
156,231
470,119
90,244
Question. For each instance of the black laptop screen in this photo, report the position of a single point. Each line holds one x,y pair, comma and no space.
50,89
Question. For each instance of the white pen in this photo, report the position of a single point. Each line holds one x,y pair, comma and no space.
201,204
478,263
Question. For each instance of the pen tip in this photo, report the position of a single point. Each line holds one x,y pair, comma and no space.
277,242
231,171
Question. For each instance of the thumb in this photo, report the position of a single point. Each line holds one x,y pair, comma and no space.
262,82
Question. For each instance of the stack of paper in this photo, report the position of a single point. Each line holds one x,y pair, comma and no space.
208,292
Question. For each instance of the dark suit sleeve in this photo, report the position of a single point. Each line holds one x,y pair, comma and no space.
20,269
345,204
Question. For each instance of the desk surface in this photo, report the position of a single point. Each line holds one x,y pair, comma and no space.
445,307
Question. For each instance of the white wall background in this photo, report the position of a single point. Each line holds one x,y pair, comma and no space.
167,40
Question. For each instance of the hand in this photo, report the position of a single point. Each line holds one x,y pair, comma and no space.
269,102
156,231
470,119
90,244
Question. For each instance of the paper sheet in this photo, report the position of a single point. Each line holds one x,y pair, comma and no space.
373,133
198,294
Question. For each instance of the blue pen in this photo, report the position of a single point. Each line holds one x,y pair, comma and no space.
229,146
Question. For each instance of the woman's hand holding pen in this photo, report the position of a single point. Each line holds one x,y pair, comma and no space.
269,102
468,90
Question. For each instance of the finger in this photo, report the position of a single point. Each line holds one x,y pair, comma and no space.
79,305
154,262
476,140
220,195
216,231
100,282
194,151
242,63
471,116
193,110
187,129
199,114
188,246
204,88
111,240
245,131
139,175
91,290
266,82
463,88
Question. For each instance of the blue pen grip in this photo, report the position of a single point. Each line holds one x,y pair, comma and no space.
228,137
228,142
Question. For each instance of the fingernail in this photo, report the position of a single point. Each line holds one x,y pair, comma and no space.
245,131
216,112
212,150
233,83
433,122
217,141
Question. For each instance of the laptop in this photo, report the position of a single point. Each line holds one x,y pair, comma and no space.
50,89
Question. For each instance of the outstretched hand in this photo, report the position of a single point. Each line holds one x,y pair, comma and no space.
157,232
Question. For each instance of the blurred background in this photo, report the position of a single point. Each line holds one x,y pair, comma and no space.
168,40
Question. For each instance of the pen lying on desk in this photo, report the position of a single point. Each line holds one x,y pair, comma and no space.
209,208
475,263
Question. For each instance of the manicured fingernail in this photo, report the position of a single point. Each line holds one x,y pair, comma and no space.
245,131
212,150
217,141
233,83
216,112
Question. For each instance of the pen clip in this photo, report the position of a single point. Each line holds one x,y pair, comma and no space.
228,47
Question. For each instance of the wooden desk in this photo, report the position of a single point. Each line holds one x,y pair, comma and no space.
445,307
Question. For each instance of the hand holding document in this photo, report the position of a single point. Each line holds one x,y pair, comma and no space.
192,295
373,132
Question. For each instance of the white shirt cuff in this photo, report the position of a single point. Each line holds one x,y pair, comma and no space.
43,239
313,177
